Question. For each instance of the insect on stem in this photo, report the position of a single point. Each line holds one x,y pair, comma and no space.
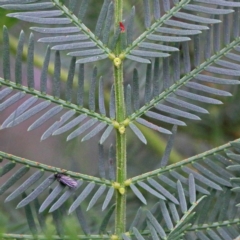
65,180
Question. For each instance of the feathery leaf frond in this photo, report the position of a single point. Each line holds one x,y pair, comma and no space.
187,58
26,110
57,14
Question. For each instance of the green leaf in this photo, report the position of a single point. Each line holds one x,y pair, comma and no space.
106,219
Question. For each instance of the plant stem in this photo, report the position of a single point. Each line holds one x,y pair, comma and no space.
52,169
120,215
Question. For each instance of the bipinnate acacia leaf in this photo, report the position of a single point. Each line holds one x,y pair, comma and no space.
102,33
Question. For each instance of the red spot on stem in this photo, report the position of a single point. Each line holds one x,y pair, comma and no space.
122,27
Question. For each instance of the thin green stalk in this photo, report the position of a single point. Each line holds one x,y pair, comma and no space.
180,164
26,236
48,168
213,225
53,99
120,215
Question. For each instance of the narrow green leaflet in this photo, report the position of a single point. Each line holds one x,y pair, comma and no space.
24,186
82,196
33,195
106,219
96,196
108,198
13,179
138,193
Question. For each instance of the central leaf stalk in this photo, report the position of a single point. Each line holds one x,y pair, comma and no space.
121,175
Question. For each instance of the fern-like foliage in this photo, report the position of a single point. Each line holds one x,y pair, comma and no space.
163,87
